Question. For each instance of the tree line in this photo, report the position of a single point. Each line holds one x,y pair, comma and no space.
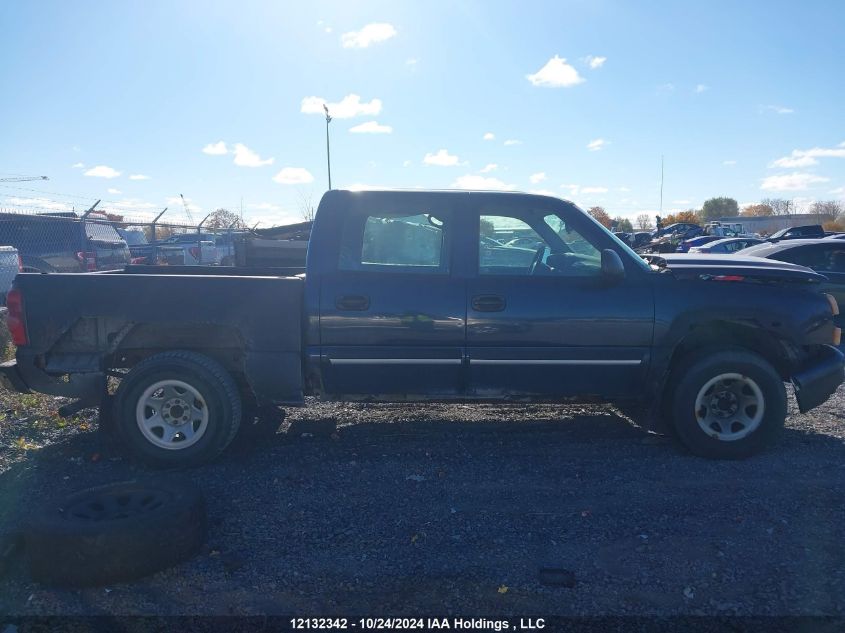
724,207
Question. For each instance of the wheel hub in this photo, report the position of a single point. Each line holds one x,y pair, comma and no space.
724,404
175,411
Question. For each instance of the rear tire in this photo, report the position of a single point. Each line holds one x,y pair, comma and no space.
727,404
177,409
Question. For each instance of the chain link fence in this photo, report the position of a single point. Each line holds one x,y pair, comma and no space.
68,241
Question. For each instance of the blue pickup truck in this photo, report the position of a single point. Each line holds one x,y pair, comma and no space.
418,296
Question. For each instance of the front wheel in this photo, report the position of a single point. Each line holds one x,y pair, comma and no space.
177,409
728,404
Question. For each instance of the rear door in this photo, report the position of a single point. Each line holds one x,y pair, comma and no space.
392,309
545,322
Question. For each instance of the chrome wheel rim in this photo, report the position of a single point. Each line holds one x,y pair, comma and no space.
172,415
729,407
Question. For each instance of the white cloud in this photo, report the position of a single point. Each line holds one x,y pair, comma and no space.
596,144
294,176
139,177
839,191
78,165
245,157
573,189
595,62
778,109
488,168
472,181
102,171
729,163
556,74
791,182
112,190
407,163
512,141
489,136
371,127
215,149
348,107
539,177
36,203
701,88
370,34
442,159
586,190
807,157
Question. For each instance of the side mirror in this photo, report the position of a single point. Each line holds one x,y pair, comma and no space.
611,265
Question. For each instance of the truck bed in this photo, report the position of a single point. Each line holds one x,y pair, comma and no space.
78,322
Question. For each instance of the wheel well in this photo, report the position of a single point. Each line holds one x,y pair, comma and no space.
222,343
723,333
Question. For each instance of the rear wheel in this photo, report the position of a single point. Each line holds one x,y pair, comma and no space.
727,404
177,409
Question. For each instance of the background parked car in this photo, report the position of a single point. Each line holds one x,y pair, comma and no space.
198,248
824,256
143,252
63,243
684,246
10,266
225,244
726,245
798,232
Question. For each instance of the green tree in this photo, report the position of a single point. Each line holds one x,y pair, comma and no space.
720,207
623,224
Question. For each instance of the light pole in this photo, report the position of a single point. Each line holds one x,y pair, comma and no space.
328,150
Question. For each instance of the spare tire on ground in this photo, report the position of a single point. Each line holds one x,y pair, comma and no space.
114,533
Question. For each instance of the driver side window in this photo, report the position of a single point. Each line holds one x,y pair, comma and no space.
506,245
534,244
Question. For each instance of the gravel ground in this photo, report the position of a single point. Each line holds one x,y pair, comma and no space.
422,510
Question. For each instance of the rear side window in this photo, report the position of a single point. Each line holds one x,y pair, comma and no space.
395,242
101,232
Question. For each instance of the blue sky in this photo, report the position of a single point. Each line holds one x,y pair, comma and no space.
136,102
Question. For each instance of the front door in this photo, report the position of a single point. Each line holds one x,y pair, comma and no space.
541,318
392,314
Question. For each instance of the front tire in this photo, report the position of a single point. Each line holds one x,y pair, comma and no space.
177,409
727,404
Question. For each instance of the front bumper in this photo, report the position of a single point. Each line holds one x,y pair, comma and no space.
819,378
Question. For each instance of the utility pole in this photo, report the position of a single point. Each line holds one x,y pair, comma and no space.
661,184
328,150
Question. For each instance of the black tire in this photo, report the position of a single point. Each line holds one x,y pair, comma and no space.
115,533
219,396
693,374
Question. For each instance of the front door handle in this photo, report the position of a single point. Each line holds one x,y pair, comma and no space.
488,303
352,302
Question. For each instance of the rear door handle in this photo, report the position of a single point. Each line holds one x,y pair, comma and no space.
352,302
488,303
